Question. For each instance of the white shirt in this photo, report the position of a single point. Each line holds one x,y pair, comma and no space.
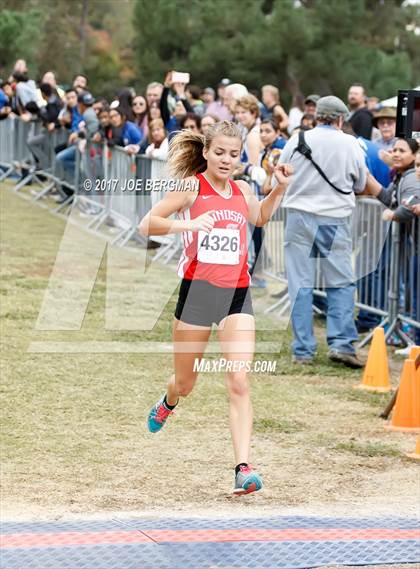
295,116
160,153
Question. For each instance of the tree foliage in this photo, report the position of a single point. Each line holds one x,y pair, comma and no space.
311,45
48,34
20,33
299,45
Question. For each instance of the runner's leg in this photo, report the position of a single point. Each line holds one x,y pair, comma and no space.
190,342
238,331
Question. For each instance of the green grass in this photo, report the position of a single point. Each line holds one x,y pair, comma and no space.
73,424
272,425
368,449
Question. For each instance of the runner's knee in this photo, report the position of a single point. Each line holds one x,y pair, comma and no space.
238,384
185,384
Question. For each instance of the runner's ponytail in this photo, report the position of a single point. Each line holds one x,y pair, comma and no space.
185,156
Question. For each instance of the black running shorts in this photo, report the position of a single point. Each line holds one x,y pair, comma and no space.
202,303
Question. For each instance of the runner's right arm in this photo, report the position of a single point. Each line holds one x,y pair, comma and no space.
156,222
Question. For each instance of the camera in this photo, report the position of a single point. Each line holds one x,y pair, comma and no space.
408,114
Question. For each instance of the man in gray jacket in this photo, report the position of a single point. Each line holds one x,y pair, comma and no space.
318,230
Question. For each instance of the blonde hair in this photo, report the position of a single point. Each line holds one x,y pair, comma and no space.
155,123
273,90
249,103
185,156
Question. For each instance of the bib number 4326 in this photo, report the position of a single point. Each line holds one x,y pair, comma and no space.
220,246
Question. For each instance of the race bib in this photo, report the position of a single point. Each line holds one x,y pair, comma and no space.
220,246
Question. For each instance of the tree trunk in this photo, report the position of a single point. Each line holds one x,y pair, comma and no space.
82,33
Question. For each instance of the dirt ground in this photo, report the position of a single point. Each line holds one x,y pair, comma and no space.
74,442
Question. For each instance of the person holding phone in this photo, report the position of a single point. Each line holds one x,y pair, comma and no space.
214,271
174,102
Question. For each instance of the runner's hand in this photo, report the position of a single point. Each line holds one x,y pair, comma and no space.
203,222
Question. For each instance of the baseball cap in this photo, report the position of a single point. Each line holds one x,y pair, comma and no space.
86,98
312,99
224,82
331,106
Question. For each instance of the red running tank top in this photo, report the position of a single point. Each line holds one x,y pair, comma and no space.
220,257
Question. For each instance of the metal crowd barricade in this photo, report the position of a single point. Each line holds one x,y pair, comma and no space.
56,138
66,181
7,147
90,175
273,262
369,237
404,284
120,189
372,264
143,196
170,244
23,159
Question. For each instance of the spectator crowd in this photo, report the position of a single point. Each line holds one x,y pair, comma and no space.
144,123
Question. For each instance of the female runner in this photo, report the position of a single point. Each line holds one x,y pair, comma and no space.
214,272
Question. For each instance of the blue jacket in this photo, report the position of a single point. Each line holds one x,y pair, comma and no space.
76,118
379,170
4,99
280,142
173,125
131,133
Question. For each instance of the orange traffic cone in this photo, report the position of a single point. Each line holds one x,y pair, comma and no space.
414,352
376,374
416,453
406,414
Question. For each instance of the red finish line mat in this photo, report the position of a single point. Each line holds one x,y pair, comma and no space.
197,543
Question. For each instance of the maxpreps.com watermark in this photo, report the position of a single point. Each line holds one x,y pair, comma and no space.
203,365
128,185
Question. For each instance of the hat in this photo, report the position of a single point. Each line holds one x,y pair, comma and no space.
86,99
210,91
312,99
331,106
385,113
224,82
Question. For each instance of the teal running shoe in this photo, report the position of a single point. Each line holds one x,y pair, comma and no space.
157,416
247,481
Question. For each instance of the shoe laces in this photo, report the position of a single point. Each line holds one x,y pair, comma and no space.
162,413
